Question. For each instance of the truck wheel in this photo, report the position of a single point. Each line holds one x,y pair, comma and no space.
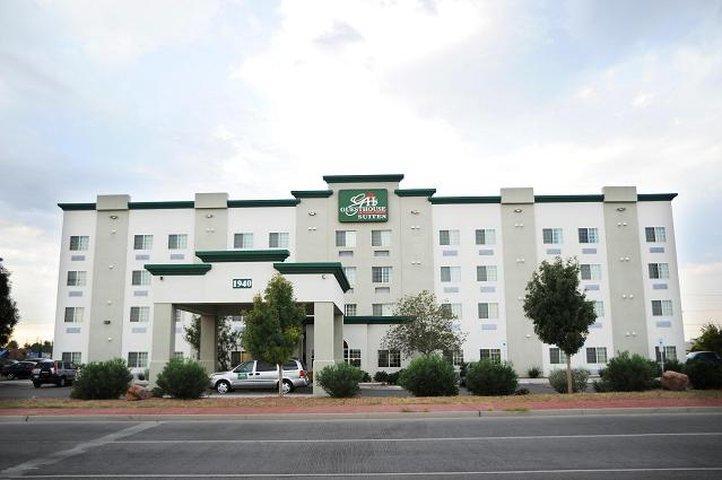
37,384
61,382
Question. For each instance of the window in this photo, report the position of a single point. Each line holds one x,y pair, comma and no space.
590,271
556,356
380,274
670,353
488,310
588,235
349,309
76,279
345,238
382,309
79,242
243,240
278,240
71,357
352,356
661,308
450,274
137,359
597,355
74,314
456,358
493,354
143,242
380,238
141,277
389,358
552,235
350,273
486,273
448,237
655,234
658,270
177,241
452,308
485,236
599,308
139,314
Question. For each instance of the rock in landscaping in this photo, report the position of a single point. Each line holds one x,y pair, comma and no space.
136,392
674,381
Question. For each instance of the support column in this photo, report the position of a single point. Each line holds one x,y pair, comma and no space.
209,343
324,338
338,336
163,342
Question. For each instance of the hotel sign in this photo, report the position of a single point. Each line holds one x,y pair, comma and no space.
242,283
370,205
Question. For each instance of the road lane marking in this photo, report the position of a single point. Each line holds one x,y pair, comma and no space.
19,470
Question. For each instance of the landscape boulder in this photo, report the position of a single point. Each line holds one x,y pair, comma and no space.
674,381
136,392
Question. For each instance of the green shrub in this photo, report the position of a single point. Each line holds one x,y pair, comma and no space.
395,377
429,376
381,376
491,378
340,379
704,376
183,378
102,380
366,377
673,365
558,380
534,372
629,373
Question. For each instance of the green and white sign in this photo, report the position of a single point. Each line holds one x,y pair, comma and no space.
371,205
242,283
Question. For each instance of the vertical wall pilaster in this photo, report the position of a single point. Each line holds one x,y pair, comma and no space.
325,335
163,346
211,221
209,343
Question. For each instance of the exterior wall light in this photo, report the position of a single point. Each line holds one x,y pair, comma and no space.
621,209
311,213
114,217
209,215
518,210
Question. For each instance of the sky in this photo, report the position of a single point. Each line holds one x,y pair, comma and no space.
166,98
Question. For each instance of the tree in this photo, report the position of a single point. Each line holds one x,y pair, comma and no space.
709,340
12,345
227,340
274,325
560,312
431,327
9,315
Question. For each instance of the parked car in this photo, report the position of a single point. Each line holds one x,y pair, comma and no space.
259,374
22,369
706,357
54,371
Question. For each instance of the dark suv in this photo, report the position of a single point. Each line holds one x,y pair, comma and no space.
705,357
20,370
55,372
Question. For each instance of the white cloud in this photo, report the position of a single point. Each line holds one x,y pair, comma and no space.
701,295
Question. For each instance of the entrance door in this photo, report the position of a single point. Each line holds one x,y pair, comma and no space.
243,375
266,374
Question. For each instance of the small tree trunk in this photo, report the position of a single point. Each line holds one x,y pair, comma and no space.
570,389
280,380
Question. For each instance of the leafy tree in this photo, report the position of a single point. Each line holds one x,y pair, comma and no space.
12,345
709,340
227,340
274,325
430,330
560,311
9,315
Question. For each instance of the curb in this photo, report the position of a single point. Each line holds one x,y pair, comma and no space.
362,415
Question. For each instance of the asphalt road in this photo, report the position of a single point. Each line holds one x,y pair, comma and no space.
638,446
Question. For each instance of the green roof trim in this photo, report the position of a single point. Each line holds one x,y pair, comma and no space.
216,256
290,202
311,193
656,197
161,205
395,177
376,320
568,198
76,206
415,192
177,268
462,200
333,268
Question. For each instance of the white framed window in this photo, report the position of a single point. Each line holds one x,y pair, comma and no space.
382,309
453,308
591,271
485,236
556,356
670,353
350,309
79,243
71,357
243,240
552,236
350,273
599,308
596,354
658,271
77,278
381,274
450,274
662,308
352,356
278,240
389,358
456,358
140,277
177,354
488,310
142,242
177,241
346,238
493,354
139,314
448,237
655,234
486,273
588,235
380,238
74,314
137,359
